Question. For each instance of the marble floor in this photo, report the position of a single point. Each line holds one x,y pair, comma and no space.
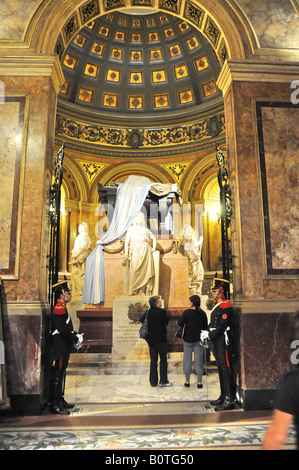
101,378
118,411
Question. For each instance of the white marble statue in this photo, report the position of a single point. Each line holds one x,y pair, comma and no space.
79,254
191,247
138,260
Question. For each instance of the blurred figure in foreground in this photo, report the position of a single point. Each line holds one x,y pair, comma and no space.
286,406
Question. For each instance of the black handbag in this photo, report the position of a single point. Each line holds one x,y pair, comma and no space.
180,333
143,330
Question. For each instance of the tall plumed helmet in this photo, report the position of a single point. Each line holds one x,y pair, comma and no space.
61,287
219,282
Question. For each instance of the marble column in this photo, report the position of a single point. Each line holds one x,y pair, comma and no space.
262,137
28,110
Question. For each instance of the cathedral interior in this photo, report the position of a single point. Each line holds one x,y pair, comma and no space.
158,89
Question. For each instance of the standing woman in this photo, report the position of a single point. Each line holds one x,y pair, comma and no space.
195,320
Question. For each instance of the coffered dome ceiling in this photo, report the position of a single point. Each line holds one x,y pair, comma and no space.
124,66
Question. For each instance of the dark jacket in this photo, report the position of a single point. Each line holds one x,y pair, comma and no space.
62,335
157,320
221,319
195,321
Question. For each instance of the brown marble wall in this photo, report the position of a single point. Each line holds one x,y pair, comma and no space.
24,299
278,131
38,168
251,275
264,300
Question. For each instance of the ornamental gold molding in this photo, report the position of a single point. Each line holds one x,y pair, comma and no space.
91,169
140,137
177,170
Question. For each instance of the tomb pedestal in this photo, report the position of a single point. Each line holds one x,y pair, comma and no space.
126,342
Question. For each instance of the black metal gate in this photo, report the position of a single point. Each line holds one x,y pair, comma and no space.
225,214
55,197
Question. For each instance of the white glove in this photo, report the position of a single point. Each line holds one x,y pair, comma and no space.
204,335
80,340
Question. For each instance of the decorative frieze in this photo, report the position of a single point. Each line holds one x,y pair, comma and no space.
166,136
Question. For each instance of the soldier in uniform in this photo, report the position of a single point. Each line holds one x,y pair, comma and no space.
62,339
220,334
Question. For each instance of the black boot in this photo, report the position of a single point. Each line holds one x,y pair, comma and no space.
56,406
66,405
228,404
222,390
218,401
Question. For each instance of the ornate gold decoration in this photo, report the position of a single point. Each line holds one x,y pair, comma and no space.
209,88
92,169
212,32
119,36
174,50
135,102
98,48
163,19
201,63
161,101
193,13
172,5
136,37
156,54
91,70
85,95
136,78
185,96
142,2
150,22
136,23
159,76
110,100
116,53
80,40
90,24
104,31
136,56
111,4
177,170
59,48
184,26
71,27
89,10
222,52
180,71
192,43
113,75
152,37
122,21
168,32
169,136
70,61
64,88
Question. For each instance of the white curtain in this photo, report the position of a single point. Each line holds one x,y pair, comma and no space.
129,200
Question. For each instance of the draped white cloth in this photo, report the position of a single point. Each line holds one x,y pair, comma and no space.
129,200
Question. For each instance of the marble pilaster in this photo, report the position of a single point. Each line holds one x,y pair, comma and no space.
260,136
34,79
